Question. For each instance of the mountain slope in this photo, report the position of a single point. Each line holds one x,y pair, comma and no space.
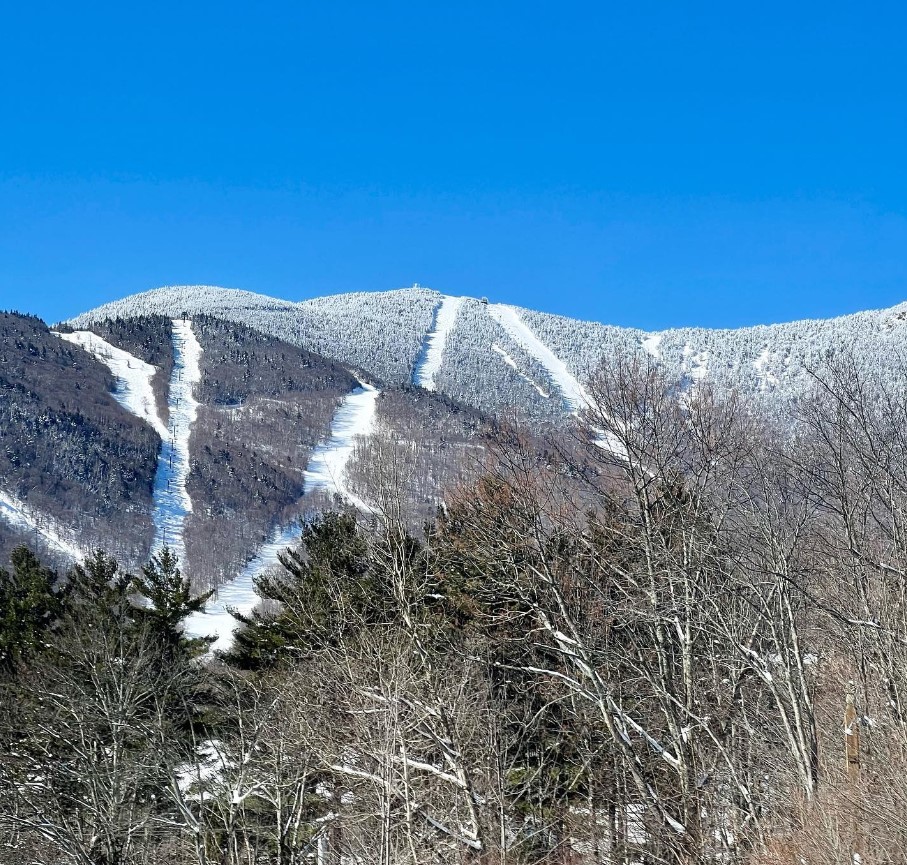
502,358
219,431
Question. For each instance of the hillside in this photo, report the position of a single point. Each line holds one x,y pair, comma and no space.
213,420
486,363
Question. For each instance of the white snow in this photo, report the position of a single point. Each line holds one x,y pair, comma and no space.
696,363
432,353
512,363
652,344
572,391
327,465
133,375
171,500
239,594
326,471
18,514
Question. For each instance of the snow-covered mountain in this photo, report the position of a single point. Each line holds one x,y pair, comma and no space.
214,420
497,357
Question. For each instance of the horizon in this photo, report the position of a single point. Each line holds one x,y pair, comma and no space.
490,298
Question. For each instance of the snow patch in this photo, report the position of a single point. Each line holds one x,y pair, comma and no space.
572,391
652,344
133,376
19,515
696,364
171,500
432,353
767,379
511,362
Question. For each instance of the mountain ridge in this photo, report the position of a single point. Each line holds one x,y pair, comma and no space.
483,362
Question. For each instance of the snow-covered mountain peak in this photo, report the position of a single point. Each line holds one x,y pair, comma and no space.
500,356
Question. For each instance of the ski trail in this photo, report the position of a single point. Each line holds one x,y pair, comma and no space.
572,391
239,594
512,363
133,376
326,471
327,465
171,501
17,513
432,353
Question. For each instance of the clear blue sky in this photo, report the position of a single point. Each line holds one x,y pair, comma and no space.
649,164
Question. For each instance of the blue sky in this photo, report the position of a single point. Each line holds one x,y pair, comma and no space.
647,164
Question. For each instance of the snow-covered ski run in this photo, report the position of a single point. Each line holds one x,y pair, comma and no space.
326,471
19,515
239,594
171,500
133,376
573,393
432,353
327,466
512,363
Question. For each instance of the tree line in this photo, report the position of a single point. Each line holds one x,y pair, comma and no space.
675,634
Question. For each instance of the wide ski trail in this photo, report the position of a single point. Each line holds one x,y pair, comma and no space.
171,500
573,393
133,376
429,362
355,417
327,466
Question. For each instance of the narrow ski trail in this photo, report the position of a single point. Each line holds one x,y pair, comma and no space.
170,500
354,418
133,376
239,594
513,365
573,393
429,362
19,515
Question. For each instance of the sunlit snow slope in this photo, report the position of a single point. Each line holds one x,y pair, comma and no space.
327,472
17,514
509,318
239,594
133,376
433,348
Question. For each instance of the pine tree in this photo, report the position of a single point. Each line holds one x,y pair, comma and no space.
324,591
98,583
169,601
29,605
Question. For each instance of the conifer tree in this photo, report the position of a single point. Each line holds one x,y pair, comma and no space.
323,591
98,583
169,601
29,604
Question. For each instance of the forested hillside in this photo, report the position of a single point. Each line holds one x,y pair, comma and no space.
265,404
684,648
69,453
485,367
